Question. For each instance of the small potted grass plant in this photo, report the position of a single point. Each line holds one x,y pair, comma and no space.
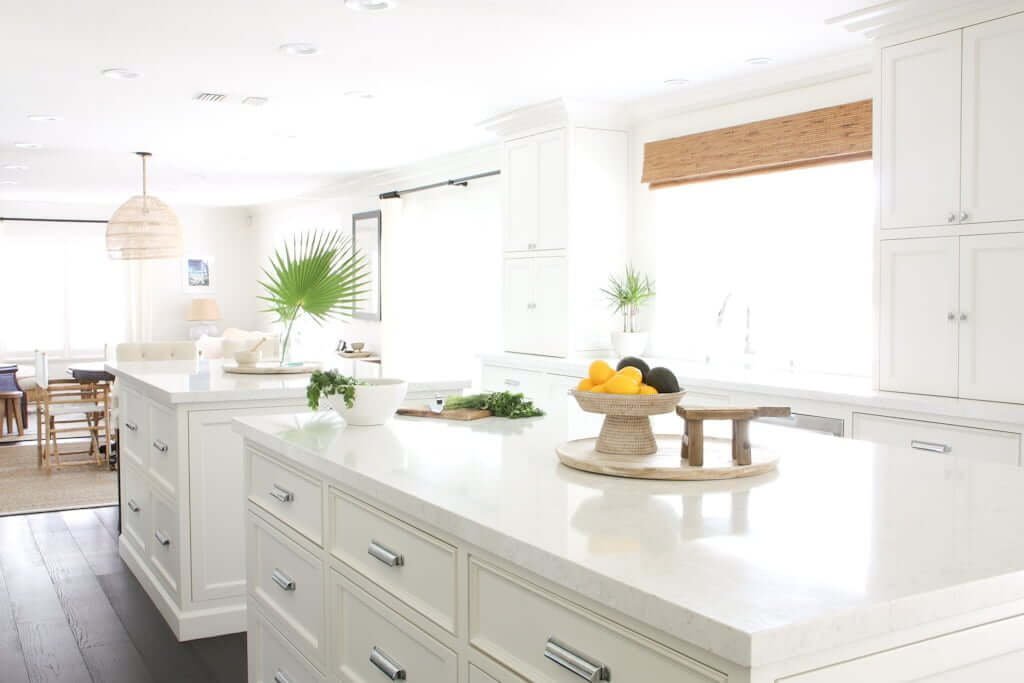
627,295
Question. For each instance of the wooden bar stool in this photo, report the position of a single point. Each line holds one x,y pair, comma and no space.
11,401
693,439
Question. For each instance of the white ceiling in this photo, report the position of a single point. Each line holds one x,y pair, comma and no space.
436,67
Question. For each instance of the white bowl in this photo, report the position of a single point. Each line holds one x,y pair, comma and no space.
247,357
375,401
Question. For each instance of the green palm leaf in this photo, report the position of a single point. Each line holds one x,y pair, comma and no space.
320,274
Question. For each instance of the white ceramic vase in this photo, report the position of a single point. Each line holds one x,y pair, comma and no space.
629,343
375,402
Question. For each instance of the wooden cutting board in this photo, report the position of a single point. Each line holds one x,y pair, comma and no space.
461,414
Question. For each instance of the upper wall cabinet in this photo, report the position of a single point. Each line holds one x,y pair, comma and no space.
535,192
993,121
920,132
950,135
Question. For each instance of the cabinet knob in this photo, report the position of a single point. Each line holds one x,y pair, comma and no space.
964,216
951,218
963,317
951,316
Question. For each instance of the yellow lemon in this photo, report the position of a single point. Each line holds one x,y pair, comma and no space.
632,372
598,389
586,384
622,384
600,372
646,390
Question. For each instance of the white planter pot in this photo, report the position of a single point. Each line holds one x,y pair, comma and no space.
629,343
375,402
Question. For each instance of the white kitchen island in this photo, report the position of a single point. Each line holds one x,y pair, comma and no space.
182,492
447,552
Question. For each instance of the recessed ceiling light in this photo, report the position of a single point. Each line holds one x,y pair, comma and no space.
359,94
15,167
299,49
121,74
8,182
371,5
43,117
677,81
28,145
759,61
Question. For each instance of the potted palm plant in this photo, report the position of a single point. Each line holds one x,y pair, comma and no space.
626,296
320,275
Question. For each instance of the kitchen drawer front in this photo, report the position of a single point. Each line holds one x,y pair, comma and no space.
273,659
933,437
164,542
531,631
136,512
372,643
134,428
415,567
478,676
163,453
293,498
288,583
527,382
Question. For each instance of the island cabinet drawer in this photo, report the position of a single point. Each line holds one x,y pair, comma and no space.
287,581
373,643
292,497
527,382
933,437
135,510
133,430
163,454
542,637
165,542
272,658
478,676
413,566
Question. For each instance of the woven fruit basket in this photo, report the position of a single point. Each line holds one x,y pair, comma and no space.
627,423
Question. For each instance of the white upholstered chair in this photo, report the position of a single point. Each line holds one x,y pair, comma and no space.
153,351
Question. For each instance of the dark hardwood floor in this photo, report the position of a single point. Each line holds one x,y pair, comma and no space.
70,611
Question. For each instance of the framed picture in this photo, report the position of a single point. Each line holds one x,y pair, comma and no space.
198,274
366,239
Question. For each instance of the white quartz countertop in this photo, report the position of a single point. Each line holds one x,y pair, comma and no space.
852,391
848,541
203,381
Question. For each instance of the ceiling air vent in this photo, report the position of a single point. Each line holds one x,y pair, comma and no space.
255,101
210,97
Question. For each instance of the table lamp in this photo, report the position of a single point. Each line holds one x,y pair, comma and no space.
204,312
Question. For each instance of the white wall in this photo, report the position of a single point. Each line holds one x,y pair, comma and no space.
221,234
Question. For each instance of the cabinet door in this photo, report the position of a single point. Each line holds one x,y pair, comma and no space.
552,210
920,132
993,137
917,330
550,324
521,200
992,317
518,304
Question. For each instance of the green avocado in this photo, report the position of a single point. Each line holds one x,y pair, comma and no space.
634,362
663,380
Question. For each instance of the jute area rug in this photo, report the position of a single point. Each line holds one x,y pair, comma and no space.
25,487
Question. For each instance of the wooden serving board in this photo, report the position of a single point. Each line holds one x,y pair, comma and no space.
272,369
666,463
461,414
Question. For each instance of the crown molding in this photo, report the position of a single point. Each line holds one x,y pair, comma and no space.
898,17
556,113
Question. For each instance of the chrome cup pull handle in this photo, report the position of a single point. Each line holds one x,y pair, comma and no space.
572,660
512,382
283,495
131,426
931,447
386,665
280,677
285,582
160,446
161,538
385,555
132,505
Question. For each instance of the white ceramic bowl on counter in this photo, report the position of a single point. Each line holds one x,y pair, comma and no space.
375,402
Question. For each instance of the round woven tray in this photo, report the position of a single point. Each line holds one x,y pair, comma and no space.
627,425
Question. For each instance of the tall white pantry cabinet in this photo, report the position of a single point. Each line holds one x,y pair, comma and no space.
565,213
950,158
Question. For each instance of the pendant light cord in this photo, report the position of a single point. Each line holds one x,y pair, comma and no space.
145,203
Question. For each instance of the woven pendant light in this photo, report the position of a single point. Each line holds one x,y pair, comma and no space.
144,227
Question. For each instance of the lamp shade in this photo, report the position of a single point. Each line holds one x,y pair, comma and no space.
144,228
203,310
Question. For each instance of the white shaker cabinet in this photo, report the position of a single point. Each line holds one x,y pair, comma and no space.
536,305
992,317
993,121
535,193
918,327
919,144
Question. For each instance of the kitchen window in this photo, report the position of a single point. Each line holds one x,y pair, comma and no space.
772,270
63,295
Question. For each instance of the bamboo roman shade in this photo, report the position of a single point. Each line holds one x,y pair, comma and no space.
841,133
